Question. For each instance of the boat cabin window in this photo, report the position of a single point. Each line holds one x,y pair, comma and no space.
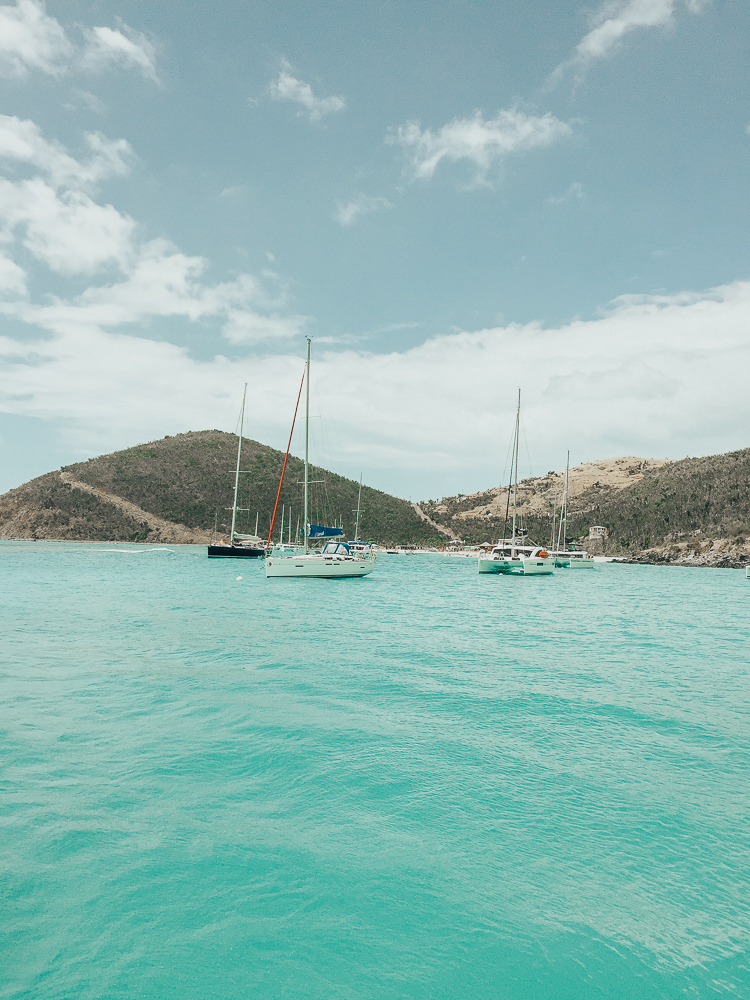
336,549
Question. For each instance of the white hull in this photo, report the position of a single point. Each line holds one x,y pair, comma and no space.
586,562
538,567
318,566
527,567
573,559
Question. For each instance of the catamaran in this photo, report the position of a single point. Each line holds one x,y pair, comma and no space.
240,546
511,555
336,560
564,557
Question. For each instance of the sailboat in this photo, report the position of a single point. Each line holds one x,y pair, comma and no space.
240,546
514,555
335,560
564,557
357,546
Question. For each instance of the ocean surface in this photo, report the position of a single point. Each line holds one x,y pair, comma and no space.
421,784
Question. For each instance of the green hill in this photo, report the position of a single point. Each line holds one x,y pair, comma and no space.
699,498
693,511
178,488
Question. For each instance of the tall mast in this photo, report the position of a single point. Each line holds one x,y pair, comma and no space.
565,512
281,533
237,475
563,523
554,518
359,499
515,474
307,440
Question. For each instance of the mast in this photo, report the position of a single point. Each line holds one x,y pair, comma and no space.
515,475
359,500
237,474
565,512
281,533
563,523
307,442
554,518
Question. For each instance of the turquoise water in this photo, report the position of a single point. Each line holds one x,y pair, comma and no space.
422,784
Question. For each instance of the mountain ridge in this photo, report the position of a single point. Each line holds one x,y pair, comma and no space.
177,489
695,511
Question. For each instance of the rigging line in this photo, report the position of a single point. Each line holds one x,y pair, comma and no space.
507,459
510,487
325,425
283,468
528,453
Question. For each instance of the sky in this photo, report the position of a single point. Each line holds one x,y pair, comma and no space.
453,200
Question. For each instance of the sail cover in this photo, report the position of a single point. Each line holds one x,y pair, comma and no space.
320,531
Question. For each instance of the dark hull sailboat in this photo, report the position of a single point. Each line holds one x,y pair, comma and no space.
235,552
240,546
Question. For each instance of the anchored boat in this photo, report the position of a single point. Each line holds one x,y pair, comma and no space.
507,557
240,546
568,558
336,560
512,555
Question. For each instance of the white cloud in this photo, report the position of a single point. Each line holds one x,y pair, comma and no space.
59,222
250,328
656,376
477,140
69,232
234,190
128,48
617,18
574,193
32,40
288,88
160,281
21,142
12,277
85,99
615,21
348,212
56,218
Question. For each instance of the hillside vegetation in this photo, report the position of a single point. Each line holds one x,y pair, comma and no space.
697,508
175,490
187,481
697,498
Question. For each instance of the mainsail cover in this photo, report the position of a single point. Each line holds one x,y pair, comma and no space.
320,531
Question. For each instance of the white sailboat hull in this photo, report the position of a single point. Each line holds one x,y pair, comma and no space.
318,566
538,567
532,566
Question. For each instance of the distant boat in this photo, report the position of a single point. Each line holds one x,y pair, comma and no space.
574,559
239,546
526,560
568,558
336,560
514,555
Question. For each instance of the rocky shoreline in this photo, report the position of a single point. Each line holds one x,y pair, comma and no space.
719,553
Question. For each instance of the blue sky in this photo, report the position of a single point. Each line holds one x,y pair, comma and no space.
452,199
